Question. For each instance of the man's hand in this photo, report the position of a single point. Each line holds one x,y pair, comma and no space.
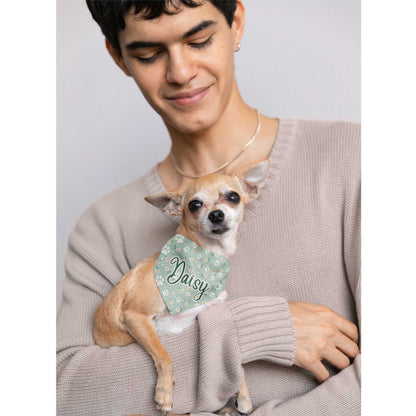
322,334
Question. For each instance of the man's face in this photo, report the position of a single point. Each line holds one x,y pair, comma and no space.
171,55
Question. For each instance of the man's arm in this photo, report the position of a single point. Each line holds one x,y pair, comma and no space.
121,380
340,395
323,330
337,396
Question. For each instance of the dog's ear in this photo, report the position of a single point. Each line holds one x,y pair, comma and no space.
254,178
169,203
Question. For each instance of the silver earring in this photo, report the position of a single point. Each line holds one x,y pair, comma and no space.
238,48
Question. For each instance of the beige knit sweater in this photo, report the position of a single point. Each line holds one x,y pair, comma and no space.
299,241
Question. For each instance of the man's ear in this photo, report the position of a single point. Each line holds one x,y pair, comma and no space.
238,23
168,202
116,57
254,178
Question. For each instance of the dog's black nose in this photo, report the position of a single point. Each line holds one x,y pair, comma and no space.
216,216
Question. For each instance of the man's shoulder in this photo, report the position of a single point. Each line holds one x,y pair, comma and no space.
329,132
328,139
119,203
332,148
127,193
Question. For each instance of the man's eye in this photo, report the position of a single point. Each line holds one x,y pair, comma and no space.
147,60
202,45
233,197
194,205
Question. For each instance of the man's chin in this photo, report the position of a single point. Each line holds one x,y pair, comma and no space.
190,121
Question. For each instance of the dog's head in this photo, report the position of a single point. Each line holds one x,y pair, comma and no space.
213,205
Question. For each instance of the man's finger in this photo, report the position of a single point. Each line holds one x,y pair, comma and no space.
336,358
346,345
346,327
318,370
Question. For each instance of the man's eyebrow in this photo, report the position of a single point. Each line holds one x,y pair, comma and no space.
200,26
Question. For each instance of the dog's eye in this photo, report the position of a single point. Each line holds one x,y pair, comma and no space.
194,205
233,197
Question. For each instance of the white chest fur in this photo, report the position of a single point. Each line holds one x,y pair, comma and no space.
169,324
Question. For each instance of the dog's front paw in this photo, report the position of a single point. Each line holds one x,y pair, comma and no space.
163,398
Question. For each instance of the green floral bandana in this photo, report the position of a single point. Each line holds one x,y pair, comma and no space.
188,275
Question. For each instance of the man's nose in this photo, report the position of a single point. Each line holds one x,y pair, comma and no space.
216,216
181,67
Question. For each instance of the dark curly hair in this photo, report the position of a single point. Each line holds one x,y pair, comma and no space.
109,14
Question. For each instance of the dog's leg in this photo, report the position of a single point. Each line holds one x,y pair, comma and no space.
243,402
143,330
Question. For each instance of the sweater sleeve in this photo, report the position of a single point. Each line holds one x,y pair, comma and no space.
206,357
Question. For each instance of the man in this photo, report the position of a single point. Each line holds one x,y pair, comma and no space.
298,247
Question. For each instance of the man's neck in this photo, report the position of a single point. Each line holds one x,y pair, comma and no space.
204,151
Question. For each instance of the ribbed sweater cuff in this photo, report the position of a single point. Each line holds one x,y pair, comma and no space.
265,329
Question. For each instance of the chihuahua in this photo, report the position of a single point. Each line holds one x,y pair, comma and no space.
142,306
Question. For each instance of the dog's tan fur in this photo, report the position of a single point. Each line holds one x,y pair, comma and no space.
127,314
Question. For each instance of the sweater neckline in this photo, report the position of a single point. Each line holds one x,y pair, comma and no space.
282,146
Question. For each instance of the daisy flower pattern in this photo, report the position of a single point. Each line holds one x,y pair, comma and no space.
188,275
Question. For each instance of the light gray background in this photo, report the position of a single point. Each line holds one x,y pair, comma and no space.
298,58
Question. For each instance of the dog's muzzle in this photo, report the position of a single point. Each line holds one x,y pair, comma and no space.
217,218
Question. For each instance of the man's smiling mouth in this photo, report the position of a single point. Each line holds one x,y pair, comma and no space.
187,94
189,97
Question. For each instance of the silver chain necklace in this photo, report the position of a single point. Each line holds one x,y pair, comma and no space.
246,146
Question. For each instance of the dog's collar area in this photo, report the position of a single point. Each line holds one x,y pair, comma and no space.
188,275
